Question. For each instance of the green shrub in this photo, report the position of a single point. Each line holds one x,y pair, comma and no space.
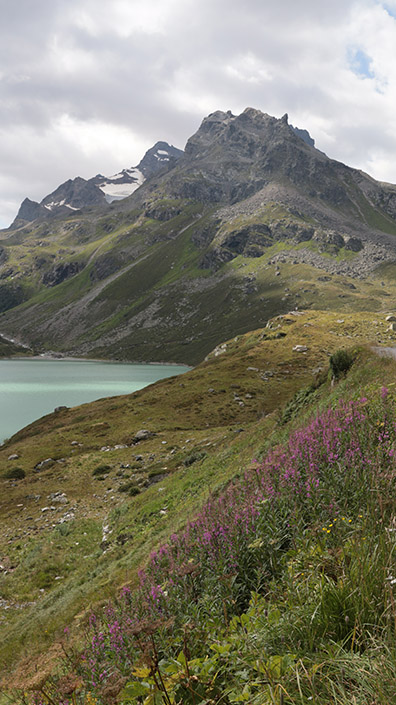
133,491
101,470
340,362
45,577
302,398
127,486
63,529
15,474
158,472
193,458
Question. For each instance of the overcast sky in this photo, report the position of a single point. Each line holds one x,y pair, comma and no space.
88,85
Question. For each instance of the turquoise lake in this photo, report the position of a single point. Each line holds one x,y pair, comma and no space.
30,389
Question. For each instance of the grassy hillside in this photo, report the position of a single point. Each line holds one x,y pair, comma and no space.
279,591
76,527
131,286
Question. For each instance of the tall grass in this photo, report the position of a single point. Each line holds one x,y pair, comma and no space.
281,590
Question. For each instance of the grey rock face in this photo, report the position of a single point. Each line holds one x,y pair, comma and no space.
162,213
304,135
354,243
61,271
162,155
251,183
44,464
232,157
28,211
259,235
213,259
67,198
203,236
72,195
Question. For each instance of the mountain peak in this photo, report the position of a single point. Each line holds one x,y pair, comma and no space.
253,113
218,116
29,210
78,193
157,157
225,126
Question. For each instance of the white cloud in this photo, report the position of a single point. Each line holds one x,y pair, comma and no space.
249,68
125,18
95,138
66,57
88,85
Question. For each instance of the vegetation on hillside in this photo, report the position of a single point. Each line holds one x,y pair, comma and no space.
124,500
281,590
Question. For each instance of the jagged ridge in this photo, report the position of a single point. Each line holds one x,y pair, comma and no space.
78,193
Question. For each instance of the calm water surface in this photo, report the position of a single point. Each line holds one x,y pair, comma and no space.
30,389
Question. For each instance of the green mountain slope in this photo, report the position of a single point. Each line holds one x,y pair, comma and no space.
250,222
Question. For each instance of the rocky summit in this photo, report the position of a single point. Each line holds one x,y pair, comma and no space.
167,259
79,193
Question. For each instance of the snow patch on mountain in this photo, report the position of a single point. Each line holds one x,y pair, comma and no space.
116,192
121,185
57,204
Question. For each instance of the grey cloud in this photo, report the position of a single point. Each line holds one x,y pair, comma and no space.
135,82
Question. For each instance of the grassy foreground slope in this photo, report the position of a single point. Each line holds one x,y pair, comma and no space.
281,590
76,527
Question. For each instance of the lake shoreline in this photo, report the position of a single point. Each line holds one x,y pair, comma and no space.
50,355
52,358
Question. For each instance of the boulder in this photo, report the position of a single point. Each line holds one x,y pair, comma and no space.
300,348
58,497
47,463
143,435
